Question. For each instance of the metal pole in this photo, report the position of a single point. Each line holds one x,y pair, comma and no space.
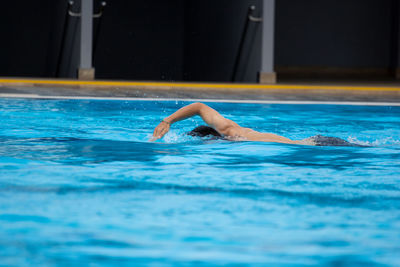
267,74
86,70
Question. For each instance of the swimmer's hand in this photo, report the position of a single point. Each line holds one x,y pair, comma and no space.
160,130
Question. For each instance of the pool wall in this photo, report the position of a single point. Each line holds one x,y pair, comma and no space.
323,91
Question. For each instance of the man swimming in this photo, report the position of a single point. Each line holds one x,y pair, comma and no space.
230,130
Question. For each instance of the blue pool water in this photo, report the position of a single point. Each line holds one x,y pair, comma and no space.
81,185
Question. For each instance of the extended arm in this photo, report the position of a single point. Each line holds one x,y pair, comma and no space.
209,116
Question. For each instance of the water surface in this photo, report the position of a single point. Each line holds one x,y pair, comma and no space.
81,185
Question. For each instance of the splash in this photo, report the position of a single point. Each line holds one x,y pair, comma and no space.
387,141
176,136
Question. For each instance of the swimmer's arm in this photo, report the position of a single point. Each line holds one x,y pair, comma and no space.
209,116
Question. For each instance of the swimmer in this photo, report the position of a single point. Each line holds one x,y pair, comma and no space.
221,127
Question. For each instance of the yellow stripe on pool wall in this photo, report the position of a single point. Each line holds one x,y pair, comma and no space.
162,85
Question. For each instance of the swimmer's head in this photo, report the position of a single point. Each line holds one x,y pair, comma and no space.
205,131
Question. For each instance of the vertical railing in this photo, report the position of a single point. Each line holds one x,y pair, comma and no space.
88,46
249,18
63,38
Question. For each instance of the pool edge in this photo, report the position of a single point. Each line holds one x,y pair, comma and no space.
291,102
323,92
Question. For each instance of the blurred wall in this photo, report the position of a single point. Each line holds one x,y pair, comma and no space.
334,35
198,40
27,37
141,40
135,39
177,40
214,29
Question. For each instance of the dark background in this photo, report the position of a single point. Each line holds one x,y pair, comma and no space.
198,40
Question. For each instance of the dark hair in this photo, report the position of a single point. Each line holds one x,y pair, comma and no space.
202,131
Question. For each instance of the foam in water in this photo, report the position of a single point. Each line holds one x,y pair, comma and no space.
386,141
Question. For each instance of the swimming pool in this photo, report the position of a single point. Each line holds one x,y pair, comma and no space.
81,185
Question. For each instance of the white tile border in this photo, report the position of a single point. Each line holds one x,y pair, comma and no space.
292,102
